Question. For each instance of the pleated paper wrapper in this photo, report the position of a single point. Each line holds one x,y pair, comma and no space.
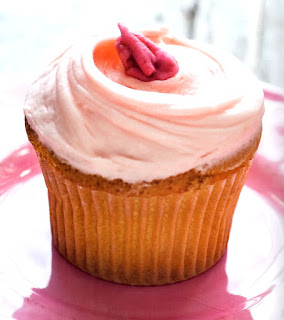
142,240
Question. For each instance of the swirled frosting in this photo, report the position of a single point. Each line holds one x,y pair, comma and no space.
101,121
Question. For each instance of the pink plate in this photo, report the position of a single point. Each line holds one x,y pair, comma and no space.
248,282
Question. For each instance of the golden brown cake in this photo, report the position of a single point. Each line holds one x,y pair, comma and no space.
142,234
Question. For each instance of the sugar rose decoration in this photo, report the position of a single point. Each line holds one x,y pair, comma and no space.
143,59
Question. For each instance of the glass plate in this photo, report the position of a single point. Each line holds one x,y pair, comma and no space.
247,283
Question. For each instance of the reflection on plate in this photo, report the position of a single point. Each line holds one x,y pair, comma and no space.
248,282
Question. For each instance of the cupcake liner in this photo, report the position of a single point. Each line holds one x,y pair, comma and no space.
142,240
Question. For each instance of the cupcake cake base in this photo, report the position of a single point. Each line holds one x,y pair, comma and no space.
163,232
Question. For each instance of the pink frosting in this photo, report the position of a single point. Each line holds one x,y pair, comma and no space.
102,121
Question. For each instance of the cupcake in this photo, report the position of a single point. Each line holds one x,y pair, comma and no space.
144,141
